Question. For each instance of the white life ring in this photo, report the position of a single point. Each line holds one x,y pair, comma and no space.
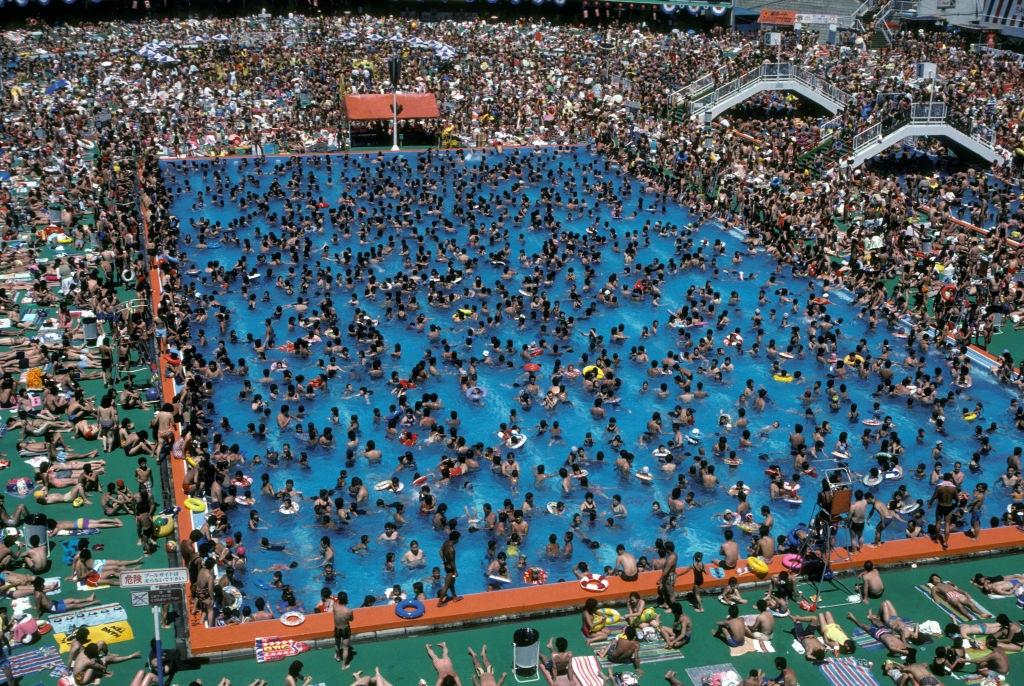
232,597
386,486
288,508
127,275
293,618
594,583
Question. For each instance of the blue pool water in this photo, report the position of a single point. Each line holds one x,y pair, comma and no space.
698,530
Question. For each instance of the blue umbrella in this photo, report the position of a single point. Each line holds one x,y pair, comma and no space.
56,86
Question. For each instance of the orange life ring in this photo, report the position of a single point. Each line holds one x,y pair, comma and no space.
406,384
317,382
947,293
536,352
594,583
288,347
535,576
172,359
409,440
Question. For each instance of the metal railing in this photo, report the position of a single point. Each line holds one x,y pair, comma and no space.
773,72
925,113
981,48
831,128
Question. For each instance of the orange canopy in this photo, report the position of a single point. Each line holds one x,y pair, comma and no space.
371,107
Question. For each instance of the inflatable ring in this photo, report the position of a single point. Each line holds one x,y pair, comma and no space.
20,486
871,481
410,608
733,339
783,378
605,616
531,367
293,618
757,565
288,508
409,440
406,384
535,576
242,481
970,416
594,583
645,477
164,526
475,393
195,505
910,509
386,486
792,562
233,598
593,372
173,359
852,359
127,275
64,239
947,293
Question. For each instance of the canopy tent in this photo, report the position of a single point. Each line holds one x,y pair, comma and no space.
375,107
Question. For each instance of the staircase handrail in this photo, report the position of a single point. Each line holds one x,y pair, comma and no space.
925,113
772,71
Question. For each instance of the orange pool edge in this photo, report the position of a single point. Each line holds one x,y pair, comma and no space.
533,600
238,639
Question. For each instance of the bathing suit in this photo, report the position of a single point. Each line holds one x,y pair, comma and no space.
58,606
955,595
929,681
876,632
834,633
343,634
943,510
82,523
631,577
732,642
801,630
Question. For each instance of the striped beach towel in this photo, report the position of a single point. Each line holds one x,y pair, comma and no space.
948,609
35,660
698,675
847,671
586,671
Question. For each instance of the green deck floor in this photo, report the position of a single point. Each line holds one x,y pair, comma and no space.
404,660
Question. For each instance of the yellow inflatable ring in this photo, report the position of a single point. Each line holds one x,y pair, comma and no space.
852,359
164,526
783,378
592,371
970,416
757,565
605,616
195,505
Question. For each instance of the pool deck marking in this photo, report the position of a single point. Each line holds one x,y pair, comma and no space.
381,621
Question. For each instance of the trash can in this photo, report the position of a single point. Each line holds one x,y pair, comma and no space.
35,525
526,654
90,329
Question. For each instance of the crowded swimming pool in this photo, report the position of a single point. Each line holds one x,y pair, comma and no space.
469,200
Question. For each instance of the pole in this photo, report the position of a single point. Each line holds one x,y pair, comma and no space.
159,646
394,109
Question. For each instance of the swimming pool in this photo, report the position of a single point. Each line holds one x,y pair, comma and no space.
534,171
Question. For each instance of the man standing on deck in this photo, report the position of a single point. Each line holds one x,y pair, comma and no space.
944,498
667,582
342,629
450,570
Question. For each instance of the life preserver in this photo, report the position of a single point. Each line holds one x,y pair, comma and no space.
127,275
531,367
173,359
783,378
317,383
288,347
592,371
733,339
420,480
513,439
293,618
476,393
911,508
406,384
289,508
195,505
661,452
535,576
386,485
872,422
895,473
734,490
645,477
872,480
409,440
233,598
757,565
242,481
164,526
571,372
947,293
787,355
536,352
410,608
852,359
970,416
792,562
594,583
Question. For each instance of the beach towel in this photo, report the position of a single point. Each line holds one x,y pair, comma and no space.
650,651
847,671
586,671
67,622
752,645
273,649
864,640
35,660
948,609
698,675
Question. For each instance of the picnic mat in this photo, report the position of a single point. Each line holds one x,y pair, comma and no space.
105,622
847,671
699,674
752,645
35,660
864,640
948,609
272,648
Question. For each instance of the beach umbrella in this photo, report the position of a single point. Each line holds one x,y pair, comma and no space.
668,9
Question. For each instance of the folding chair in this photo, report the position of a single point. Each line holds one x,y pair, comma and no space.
526,655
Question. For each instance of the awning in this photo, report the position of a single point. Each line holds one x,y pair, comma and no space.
374,107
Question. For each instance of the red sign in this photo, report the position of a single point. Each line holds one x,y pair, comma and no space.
272,648
777,17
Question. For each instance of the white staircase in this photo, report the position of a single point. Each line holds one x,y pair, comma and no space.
779,76
926,120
